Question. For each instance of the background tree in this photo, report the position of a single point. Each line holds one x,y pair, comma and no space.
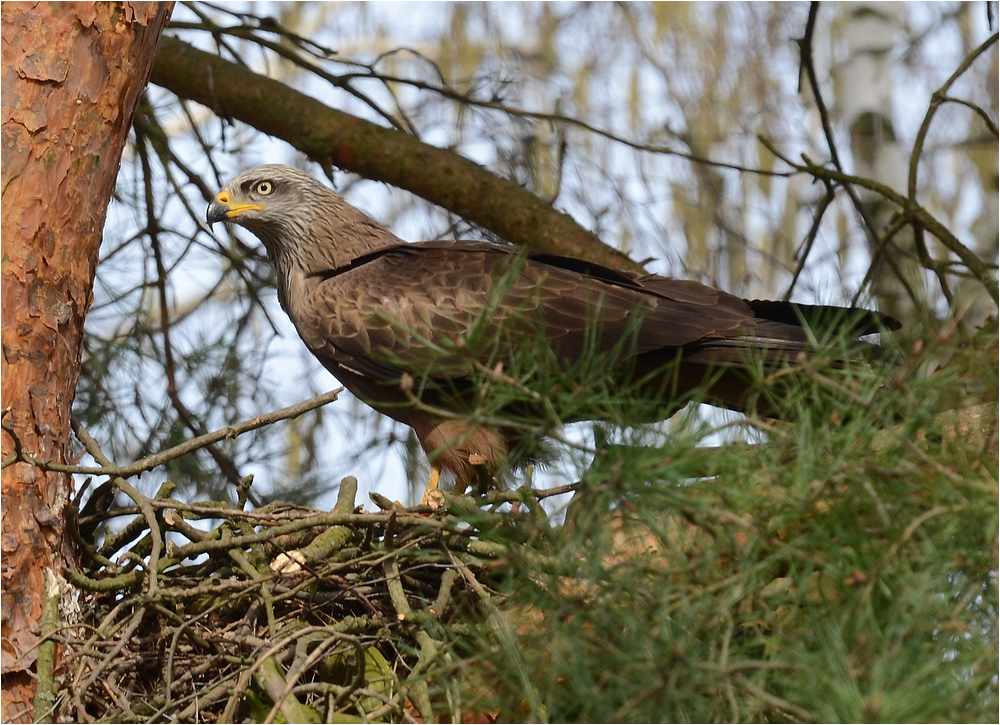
72,76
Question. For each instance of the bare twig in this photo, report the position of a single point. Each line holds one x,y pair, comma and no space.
158,459
939,97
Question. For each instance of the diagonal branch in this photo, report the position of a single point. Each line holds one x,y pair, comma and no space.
375,152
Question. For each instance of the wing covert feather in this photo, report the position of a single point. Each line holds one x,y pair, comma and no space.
395,304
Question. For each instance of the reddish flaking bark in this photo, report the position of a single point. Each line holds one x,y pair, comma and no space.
72,76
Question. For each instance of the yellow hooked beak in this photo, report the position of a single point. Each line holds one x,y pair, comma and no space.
223,208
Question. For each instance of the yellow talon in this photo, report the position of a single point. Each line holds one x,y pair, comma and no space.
432,486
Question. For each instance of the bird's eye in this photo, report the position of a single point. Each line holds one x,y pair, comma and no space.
264,188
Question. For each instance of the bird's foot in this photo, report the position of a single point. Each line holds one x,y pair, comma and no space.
432,496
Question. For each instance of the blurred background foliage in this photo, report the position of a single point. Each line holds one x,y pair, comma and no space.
845,570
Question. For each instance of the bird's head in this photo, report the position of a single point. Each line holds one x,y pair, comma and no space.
269,199
303,223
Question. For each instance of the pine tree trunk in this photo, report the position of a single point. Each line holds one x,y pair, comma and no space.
72,76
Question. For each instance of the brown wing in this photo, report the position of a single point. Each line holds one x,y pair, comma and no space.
382,315
401,309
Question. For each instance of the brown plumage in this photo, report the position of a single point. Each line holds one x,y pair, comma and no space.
384,317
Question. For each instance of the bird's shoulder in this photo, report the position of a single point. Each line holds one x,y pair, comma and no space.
398,296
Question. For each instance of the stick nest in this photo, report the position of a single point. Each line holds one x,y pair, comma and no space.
277,614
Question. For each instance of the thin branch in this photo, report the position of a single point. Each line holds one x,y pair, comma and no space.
786,707
939,97
806,59
980,269
158,459
224,462
805,44
807,245
991,125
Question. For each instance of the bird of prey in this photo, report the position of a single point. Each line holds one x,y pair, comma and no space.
409,327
